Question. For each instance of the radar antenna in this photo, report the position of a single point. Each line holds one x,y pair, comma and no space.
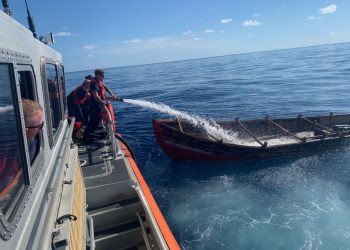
30,21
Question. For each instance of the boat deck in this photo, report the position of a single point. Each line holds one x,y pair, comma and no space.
280,140
118,215
270,140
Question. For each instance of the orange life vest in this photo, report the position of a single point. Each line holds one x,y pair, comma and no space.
101,86
76,98
9,175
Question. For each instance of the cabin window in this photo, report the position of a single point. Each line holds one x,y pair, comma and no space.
28,91
63,82
26,85
12,163
54,96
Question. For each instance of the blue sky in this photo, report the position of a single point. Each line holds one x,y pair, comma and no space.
102,34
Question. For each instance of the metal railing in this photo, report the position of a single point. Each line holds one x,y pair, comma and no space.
110,132
91,242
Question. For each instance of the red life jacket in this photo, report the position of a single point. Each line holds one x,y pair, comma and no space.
78,100
101,86
9,175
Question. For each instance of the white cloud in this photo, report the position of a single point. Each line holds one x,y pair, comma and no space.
158,43
90,47
329,9
209,31
187,33
163,47
152,50
333,34
251,23
133,41
63,33
226,20
310,18
256,15
154,44
90,56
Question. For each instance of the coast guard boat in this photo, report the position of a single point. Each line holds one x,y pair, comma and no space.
69,196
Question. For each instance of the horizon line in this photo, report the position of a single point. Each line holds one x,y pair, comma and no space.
200,58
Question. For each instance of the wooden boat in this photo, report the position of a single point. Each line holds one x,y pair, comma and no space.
261,138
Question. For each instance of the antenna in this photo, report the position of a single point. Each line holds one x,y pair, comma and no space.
7,10
30,21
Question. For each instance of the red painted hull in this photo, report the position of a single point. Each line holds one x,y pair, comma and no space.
181,152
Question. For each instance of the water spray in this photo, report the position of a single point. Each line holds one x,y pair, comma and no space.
209,125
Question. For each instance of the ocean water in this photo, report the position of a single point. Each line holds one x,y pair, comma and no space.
283,203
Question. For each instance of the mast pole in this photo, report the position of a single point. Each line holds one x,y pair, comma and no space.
6,6
30,21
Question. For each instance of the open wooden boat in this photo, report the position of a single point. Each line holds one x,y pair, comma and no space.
261,138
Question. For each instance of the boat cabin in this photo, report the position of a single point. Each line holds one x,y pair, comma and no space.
60,194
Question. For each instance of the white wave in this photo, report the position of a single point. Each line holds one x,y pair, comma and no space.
6,109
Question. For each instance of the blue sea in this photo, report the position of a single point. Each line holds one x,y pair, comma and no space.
285,203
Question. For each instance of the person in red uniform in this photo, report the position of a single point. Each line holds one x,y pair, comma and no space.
78,100
98,100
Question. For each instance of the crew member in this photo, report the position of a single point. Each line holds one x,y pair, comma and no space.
78,100
10,170
33,119
98,100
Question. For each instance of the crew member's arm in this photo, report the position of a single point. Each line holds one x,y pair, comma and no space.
110,92
97,98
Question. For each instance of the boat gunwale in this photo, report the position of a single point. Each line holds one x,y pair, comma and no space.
314,139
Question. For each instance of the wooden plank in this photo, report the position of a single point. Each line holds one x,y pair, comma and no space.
251,134
179,124
285,130
317,124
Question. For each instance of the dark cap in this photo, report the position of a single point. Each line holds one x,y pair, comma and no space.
88,77
99,72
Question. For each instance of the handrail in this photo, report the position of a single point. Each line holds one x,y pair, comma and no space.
52,213
144,231
285,130
110,131
251,134
91,232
